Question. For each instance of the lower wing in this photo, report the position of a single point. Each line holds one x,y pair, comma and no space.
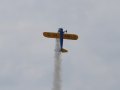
57,35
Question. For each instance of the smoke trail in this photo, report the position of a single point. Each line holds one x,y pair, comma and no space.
57,71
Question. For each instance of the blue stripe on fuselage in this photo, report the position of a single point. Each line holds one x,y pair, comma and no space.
61,37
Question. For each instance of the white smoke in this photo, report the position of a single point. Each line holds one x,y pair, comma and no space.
57,71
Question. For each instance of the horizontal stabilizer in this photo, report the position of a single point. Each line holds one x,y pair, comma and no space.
64,50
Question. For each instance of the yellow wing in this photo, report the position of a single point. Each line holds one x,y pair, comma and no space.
57,35
51,35
70,36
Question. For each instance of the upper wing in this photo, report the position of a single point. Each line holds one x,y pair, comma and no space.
57,35
70,36
51,35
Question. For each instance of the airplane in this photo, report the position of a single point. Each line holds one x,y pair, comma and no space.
61,35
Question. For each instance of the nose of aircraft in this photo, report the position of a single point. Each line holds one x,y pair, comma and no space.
60,29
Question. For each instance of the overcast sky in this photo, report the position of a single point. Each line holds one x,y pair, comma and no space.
27,58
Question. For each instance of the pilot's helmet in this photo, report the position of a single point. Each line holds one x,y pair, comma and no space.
60,30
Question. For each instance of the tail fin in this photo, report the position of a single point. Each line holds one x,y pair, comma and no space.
64,50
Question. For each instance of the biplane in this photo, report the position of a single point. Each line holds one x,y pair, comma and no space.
61,35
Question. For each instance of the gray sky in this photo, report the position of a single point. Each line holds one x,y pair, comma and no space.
27,58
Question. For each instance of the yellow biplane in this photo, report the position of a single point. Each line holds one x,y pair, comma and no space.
61,35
